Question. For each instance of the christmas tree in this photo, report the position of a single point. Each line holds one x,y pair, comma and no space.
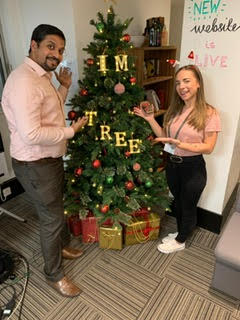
112,164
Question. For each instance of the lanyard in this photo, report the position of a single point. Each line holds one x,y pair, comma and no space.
179,129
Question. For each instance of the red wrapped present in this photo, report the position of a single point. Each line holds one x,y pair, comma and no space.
90,232
75,225
142,212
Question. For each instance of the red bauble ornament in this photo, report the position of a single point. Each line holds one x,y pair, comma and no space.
104,209
96,164
83,92
119,88
133,80
72,115
126,37
78,172
129,185
127,154
90,62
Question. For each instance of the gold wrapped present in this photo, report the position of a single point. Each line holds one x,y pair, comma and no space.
110,237
142,229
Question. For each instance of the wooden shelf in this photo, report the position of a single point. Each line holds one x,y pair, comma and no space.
162,78
159,113
155,48
153,80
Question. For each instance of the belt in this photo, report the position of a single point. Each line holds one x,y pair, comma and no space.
178,159
39,161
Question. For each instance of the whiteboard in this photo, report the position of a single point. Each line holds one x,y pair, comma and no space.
211,31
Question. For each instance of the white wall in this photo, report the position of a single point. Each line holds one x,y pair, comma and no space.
176,21
20,17
221,86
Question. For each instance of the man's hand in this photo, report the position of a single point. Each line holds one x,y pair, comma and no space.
64,77
79,124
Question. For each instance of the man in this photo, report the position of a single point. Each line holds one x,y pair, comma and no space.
34,110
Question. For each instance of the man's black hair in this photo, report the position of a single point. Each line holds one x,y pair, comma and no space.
41,31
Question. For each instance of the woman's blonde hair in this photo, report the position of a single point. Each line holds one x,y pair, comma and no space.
199,114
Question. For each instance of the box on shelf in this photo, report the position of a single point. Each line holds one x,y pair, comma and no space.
150,68
161,95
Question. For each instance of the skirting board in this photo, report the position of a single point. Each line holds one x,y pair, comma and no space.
210,220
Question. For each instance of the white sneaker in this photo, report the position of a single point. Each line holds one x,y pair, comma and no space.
169,237
171,246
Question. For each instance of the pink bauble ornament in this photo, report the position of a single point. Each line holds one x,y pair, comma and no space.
119,88
136,166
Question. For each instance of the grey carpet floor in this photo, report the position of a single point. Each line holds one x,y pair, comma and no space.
136,283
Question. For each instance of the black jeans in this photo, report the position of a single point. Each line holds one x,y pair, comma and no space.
43,182
186,181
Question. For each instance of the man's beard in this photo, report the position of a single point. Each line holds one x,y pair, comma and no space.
46,67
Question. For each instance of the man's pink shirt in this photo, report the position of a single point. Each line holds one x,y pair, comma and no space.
34,109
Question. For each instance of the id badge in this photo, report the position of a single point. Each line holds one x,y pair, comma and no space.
170,148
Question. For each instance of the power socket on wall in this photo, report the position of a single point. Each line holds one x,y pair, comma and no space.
6,192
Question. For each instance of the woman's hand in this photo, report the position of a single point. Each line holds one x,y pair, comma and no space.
139,111
168,140
79,124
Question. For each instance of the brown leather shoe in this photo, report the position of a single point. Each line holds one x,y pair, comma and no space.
65,287
71,253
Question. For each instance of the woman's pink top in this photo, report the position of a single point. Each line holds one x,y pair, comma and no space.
189,134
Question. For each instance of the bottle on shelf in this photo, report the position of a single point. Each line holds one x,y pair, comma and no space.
164,37
152,38
146,30
158,32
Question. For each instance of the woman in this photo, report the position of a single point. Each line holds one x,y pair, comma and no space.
190,129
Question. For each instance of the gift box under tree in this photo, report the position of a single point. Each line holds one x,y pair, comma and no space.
75,225
110,237
90,232
142,228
